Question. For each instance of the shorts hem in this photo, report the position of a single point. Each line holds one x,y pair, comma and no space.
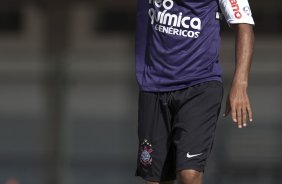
196,168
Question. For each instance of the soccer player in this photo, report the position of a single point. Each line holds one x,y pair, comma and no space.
179,75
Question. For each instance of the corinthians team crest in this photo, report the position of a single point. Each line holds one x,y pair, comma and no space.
146,150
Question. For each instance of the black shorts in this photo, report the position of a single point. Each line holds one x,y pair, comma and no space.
176,130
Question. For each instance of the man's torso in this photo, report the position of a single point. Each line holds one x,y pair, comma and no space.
177,43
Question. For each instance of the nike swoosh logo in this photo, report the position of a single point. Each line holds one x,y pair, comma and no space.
191,156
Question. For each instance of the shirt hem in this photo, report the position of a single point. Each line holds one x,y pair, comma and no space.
165,89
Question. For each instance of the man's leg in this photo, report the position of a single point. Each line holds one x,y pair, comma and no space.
190,177
194,128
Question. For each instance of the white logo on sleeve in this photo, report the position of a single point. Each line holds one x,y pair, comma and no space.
191,156
247,10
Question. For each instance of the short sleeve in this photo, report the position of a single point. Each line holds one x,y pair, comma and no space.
236,11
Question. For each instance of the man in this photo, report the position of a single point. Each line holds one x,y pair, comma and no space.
178,72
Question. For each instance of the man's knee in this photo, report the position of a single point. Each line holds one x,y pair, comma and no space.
190,177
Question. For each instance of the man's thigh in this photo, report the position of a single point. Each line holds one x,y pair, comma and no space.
156,156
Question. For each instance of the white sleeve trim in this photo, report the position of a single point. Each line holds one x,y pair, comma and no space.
236,11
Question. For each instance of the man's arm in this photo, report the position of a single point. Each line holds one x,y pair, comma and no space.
238,102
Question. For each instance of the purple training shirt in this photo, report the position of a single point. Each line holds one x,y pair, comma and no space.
177,43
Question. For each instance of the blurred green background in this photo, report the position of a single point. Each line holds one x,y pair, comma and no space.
68,96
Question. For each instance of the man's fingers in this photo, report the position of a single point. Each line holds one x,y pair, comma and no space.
244,117
234,115
240,111
239,117
250,113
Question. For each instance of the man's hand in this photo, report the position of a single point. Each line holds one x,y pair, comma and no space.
238,104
